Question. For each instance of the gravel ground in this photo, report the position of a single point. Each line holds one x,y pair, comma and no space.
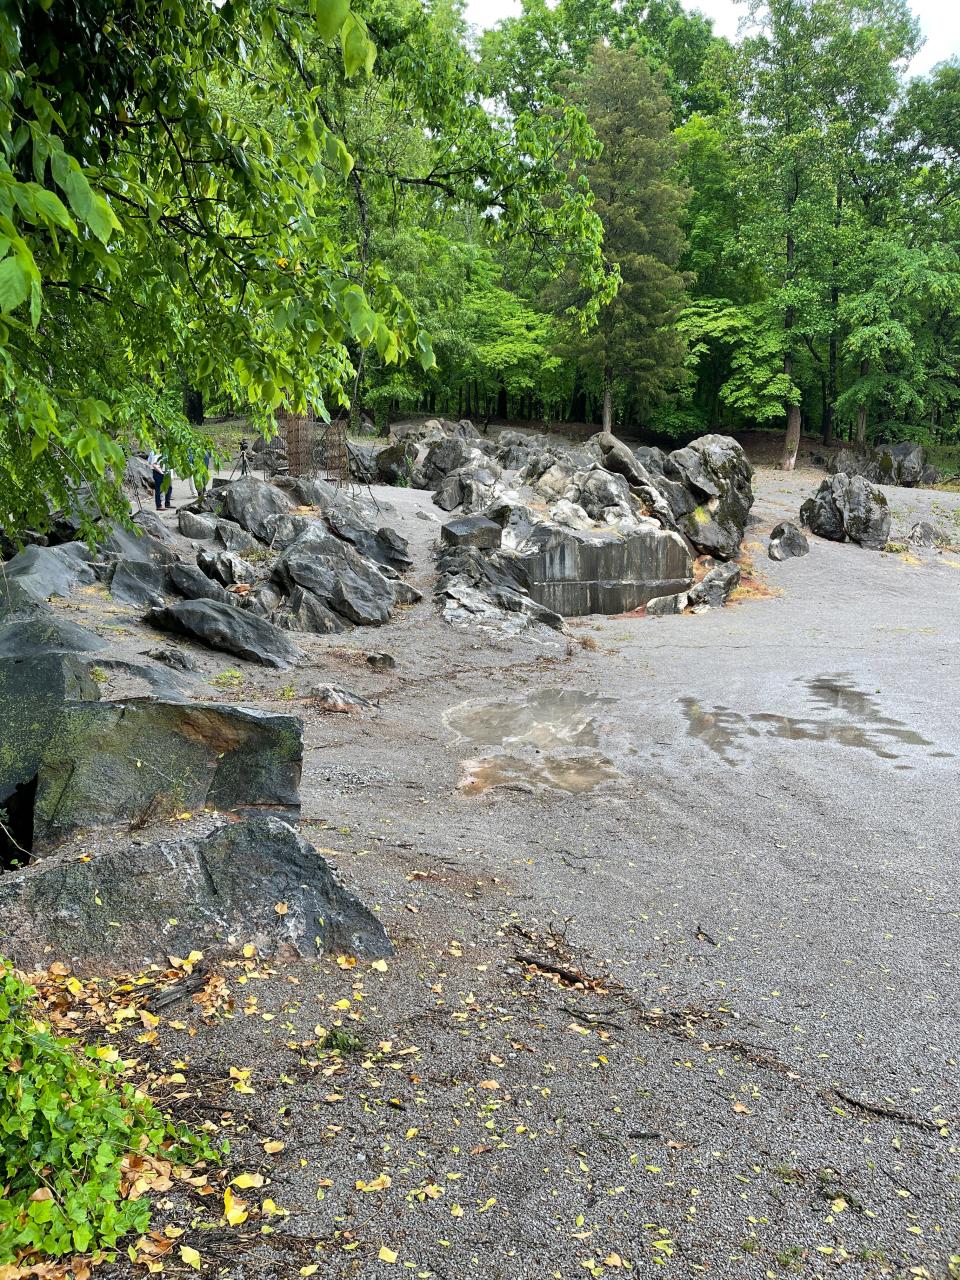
733,835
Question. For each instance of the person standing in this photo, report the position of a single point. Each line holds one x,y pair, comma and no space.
162,479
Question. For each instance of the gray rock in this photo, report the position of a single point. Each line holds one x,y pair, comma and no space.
662,606
333,697
138,582
650,458
340,578
848,507
225,567
175,658
714,472
472,531
45,632
925,534
221,626
196,525
715,587
140,902
515,519
37,573
900,464
232,537
143,546
249,502
263,599
583,571
447,456
394,463
600,490
382,661
488,587
383,546
304,611
406,593
142,759
190,581
284,530
787,541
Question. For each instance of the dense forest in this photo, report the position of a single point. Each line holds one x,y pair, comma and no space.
592,212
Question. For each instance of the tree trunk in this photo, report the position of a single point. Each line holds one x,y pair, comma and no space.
791,442
193,406
607,398
860,438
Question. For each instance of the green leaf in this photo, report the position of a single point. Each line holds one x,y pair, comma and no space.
14,284
358,49
329,16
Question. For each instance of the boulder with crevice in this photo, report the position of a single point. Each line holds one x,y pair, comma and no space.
787,542
339,577
190,581
848,507
121,908
249,502
222,626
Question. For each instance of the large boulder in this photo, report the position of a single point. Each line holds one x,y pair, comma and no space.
384,546
231,537
472,531
715,587
143,759
477,587
340,578
581,571
195,524
446,456
602,492
225,567
125,907
900,463
190,581
848,507
36,573
304,611
249,502
708,486
395,463
137,582
221,626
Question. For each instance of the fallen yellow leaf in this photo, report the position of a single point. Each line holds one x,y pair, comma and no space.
190,1256
386,1255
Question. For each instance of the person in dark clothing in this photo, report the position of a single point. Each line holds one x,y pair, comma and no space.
162,480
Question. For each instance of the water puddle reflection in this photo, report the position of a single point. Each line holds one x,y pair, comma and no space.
842,714
536,743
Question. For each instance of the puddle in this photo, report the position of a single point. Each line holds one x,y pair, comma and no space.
843,714
536,742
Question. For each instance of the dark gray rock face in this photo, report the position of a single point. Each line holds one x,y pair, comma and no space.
138,582
144,546
581,571
282,531
383,546
663,606
475,586
221,626
225,567
341,579
786,542
394,463
196,525
848,507
600,490
190,581
229,535
112,762
304,611
445,457
901,464
263,599
37,573
43,631
249,502
650,458
713,471
472,531
714,589
172,896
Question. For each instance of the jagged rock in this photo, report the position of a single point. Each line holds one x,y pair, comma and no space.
144,546
711,494
232,537
582,571
313,493
925,534
449,494
394,463
472,531
304,611
930,475
714,588
125,907
787,541
848,506
225,567
249,502
341,579
138,473
43,631
383,546
900,464
406,593
138,582
661,606
175,658
515,519
222,626
333,697
362,462
382,661
650,458
190,581
447,456
284,530
129,761
558,481
601,490
37,573
194,524
493,588
263,599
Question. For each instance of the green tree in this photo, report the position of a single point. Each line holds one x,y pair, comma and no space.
635,345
